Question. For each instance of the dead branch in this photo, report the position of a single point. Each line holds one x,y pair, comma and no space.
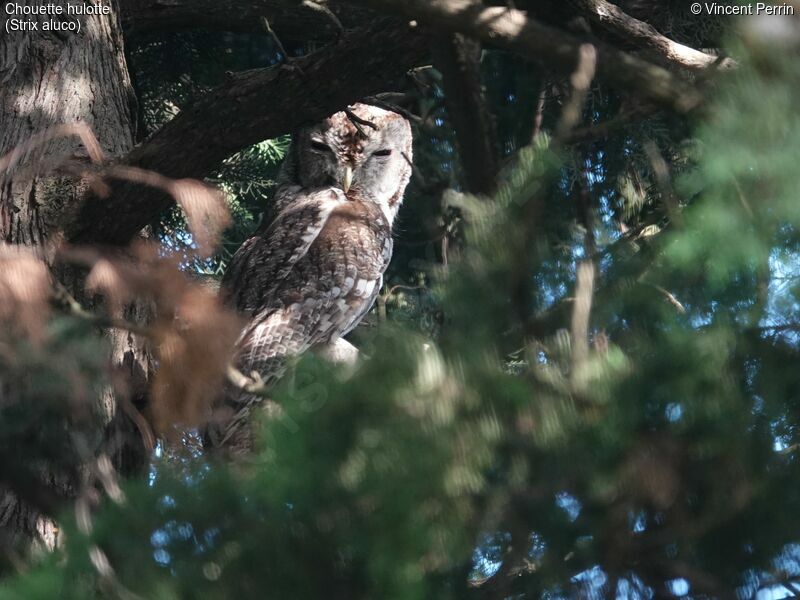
581,81
660,169
538,118
513,30
385,102
614,20
586,268
358,122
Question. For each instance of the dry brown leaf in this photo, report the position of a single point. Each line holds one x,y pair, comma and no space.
24,291
192,334
11,160
204,206
206,212
194,350
109,279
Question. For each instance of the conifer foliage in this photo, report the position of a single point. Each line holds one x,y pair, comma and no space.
585,384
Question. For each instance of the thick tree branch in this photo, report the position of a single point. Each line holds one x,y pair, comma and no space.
512,30
251,107
291,20
458,59
303,20
43,497
614,20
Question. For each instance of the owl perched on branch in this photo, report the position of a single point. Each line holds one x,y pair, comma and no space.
315,269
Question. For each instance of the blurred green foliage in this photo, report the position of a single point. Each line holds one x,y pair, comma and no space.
472,453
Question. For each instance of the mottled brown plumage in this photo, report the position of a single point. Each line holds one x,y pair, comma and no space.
313,272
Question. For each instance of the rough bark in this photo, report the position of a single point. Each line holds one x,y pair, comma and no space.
238,113
458,59
249,108
613,19
304,20
513,30
290,20
47,80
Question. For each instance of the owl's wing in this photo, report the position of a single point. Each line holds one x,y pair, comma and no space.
263,262
310,279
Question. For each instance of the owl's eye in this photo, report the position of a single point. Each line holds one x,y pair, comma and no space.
383,153
320,146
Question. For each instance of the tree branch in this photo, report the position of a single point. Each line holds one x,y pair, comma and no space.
601,131
251,107
614,20
292,20
513,30
458,59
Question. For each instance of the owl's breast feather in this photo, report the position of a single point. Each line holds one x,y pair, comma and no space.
356,234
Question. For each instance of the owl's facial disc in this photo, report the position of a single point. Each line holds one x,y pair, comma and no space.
369,162
382,171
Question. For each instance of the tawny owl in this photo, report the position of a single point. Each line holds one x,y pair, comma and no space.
314,270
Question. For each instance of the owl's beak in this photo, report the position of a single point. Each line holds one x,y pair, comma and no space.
347,180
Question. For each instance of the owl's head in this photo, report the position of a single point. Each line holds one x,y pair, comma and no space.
371,162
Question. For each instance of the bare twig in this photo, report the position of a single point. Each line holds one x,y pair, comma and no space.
75,309
670,298
327,12
584,283
358,122
390,292
538,118
414,169
581,311
275,40
392,107
148,437
661,172
777,328
743,199
581,82
384,297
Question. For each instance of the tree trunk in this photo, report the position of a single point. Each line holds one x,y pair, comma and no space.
49,79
